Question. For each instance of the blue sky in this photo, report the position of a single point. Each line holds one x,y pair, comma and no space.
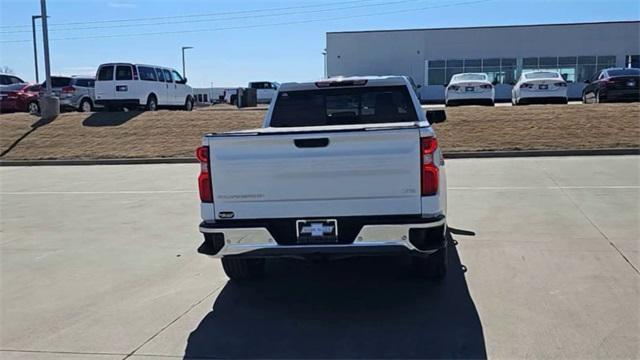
257,48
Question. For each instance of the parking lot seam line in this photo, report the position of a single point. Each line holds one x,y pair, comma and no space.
447,155
542,187
134,192
62,352
212,292
589,219
97,192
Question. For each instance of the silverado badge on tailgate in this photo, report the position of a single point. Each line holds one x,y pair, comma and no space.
317,231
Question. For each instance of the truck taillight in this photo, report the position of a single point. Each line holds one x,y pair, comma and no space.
68,90
204,179
429,173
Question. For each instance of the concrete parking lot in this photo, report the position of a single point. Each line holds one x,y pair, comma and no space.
99,262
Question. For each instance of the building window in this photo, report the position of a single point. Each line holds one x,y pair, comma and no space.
199,97
632,61
205,97
500,71
586,67
572,68
436,72
454,67
508,69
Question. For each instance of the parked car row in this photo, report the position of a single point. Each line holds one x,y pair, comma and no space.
545,86
117,86
74,92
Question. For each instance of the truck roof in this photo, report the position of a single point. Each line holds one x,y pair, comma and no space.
389,80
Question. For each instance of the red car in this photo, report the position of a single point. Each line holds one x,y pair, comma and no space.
20,97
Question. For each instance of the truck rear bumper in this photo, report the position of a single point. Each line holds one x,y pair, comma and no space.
422,237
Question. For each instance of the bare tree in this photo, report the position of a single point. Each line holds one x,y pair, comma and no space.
6,70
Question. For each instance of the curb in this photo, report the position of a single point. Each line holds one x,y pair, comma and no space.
447,155
125,161
536,153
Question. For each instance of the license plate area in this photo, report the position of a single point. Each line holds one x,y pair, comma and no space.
469,88
543,87
317,231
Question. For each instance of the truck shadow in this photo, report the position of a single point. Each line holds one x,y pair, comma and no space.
109,118
357,308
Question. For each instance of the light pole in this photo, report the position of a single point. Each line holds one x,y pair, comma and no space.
49,105
184,72
324,53
35,47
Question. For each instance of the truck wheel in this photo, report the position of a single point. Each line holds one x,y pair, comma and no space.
85,106
243,269
433,267
188,104
152,103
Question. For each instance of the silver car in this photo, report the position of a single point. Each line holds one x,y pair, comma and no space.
75,92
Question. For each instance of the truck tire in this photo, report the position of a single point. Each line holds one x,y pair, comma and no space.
243,269
432,267
188,104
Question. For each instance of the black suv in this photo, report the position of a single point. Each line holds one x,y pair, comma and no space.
615,84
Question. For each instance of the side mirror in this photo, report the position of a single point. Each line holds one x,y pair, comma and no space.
418,86
445,85
184,81
436,116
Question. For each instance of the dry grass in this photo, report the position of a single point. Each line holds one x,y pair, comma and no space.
178,133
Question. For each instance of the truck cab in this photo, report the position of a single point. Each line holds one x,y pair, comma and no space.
265,90
341,167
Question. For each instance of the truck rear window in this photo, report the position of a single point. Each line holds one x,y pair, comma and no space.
343,106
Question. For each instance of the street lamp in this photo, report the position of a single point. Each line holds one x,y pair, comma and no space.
324,53
35,47
184,72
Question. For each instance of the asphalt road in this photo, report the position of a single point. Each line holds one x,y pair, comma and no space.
99,262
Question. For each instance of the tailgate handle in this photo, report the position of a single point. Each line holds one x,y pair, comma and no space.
311,143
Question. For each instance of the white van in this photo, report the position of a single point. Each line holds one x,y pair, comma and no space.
264,90
125,85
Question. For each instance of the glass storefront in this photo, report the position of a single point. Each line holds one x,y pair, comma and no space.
505,71
500,71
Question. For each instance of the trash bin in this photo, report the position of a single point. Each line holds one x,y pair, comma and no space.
247,97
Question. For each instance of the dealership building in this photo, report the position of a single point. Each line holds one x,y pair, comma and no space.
432,56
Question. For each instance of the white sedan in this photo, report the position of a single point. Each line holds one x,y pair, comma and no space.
469,88
540,86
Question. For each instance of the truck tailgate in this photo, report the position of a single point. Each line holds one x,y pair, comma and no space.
317,174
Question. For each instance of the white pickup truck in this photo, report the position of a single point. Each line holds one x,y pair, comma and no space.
342,167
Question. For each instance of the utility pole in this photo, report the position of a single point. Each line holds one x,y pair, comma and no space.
49,105
35,46
184,71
